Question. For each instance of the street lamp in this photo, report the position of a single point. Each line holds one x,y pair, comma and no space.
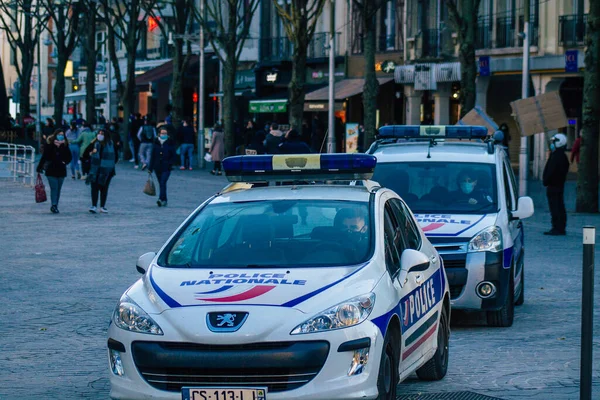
331,136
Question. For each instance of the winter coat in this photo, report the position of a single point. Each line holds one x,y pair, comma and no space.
163,155
217,146
102,162
186,135
85,138
295,146
54,160
274,139
556,169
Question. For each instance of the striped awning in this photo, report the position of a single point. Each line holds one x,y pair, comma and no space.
428,75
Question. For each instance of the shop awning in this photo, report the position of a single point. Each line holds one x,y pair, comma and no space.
160,72
100,92
343,89
268,106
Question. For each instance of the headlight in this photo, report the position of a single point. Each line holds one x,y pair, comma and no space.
129,316
343,315
489,239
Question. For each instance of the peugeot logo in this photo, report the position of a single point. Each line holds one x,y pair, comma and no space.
225,321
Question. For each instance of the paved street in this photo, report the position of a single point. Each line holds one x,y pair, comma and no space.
63,274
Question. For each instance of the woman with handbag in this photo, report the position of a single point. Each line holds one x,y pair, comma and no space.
103,158
217,149
163,158
54,161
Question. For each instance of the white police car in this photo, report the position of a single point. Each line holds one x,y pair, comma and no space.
294,291
462,190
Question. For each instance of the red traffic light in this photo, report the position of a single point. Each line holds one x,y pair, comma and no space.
195,97
214,98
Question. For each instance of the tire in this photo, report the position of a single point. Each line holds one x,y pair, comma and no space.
521,298
503,318
436,368
389,376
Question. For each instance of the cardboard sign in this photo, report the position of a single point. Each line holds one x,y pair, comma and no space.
478,117
539,114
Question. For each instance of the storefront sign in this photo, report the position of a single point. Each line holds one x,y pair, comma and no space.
245,79
351,138
571,61
321,106
276,78
320,75
484,66
266,106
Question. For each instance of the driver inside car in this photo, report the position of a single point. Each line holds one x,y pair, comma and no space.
353,223
469,191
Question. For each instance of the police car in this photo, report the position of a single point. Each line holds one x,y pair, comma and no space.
291,283
461,187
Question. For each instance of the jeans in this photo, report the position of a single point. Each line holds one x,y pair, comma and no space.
103,189
186,149
55,187
163,177
556,201
74,158
146,153
135,150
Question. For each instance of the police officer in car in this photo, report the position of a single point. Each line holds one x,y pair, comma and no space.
468,192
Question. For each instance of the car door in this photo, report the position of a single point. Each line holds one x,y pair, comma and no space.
429,292
515,227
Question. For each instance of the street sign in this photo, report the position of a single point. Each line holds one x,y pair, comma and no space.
571,61
484,66
99,78
100,68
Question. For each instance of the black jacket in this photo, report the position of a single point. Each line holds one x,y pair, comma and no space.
55,160
295,146
556,169
163,156
186,135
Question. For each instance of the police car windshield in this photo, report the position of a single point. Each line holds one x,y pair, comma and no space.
442,187
289,233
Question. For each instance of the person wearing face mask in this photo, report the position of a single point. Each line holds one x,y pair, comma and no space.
103,158
468,192
554,177
54,161
163,157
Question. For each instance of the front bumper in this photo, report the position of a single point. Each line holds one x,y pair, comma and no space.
315,355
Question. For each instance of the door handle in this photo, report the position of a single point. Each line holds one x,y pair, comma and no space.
418,279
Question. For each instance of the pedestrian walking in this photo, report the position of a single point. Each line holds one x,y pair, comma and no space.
217,149
54,162
187,137
576,149
72,134
274,139
554,177
146,135
47,130
293,144
113,130
135,123
163,158
103,158
86,136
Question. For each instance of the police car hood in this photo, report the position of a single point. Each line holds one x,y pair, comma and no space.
299,288
454,225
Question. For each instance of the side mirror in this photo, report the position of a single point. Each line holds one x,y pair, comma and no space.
143,263
524,208
412,261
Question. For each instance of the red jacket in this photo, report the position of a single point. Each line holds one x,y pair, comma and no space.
576,149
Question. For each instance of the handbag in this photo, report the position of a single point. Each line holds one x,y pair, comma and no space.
208,157
40,190
149,187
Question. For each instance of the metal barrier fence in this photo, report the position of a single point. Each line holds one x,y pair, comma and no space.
17,162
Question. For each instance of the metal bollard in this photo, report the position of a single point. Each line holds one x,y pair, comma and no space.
587,313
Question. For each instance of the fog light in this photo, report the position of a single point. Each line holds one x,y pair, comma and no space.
359,361
116,365
486,290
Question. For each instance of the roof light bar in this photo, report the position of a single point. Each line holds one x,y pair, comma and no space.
432,132
294,167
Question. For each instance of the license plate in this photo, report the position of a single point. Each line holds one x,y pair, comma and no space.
219,393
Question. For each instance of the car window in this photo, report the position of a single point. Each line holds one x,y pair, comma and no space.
406,224
442,187
510,188
392,255
274,233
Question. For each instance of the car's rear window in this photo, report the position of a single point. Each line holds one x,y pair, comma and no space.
273,233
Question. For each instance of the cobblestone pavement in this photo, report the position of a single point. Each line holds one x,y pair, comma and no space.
61,276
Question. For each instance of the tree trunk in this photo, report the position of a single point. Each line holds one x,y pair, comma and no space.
297,83
128,95
371,88
467,60
587,179
177,85
90,51
4,124
229,68
59,88
25,88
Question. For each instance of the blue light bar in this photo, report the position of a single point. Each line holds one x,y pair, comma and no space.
299,167
433,132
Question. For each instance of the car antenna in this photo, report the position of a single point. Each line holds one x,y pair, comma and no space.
432,143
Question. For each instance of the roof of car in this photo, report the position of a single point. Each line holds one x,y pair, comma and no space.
442,151
299,192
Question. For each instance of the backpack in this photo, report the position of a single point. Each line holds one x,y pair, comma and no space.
148,132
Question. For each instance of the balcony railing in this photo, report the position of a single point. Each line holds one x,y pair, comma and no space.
163,51
427,43
571,30
384,44
533,29
281,48
484,33
505,32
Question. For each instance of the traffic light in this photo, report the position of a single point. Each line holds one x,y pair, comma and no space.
195,97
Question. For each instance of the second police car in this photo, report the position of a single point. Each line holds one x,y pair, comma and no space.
294,291
462,189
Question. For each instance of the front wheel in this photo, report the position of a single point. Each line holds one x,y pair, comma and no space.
389,376
521,298
436,368
504,317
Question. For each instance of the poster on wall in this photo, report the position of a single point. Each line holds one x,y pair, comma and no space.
351,138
